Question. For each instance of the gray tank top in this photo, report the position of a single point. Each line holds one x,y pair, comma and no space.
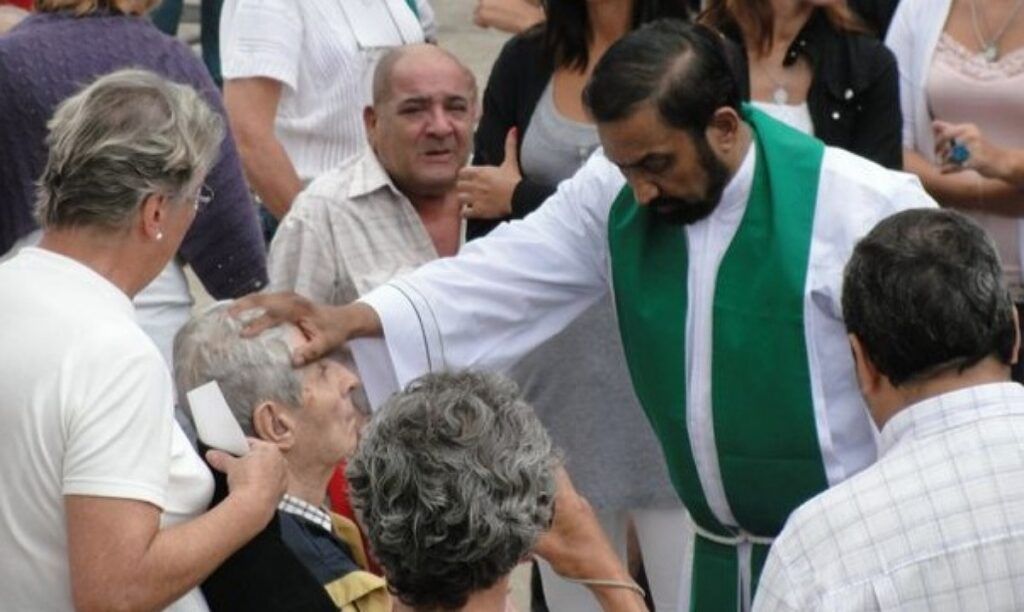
555,147
578,380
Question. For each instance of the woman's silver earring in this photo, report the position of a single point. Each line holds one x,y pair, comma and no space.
159,235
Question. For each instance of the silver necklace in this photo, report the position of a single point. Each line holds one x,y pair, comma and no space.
990,47
780,95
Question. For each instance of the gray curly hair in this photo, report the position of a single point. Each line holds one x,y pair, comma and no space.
454,481
249,370
128,134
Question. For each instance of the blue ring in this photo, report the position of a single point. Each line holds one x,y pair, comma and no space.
959,154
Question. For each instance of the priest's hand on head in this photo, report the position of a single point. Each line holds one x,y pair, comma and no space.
324,327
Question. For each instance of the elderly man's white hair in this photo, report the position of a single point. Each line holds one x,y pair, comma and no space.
249,370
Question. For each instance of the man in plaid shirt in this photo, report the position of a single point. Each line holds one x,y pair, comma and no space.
938,522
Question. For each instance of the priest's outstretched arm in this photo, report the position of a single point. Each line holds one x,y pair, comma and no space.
502,296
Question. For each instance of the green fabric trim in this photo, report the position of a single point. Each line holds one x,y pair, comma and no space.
765,432
715,578
412,7
649,262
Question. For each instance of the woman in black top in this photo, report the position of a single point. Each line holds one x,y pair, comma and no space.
562,50
818,52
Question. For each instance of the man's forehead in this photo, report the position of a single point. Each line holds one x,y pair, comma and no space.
631,147
435,77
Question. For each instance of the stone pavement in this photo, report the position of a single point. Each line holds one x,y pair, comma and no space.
476,47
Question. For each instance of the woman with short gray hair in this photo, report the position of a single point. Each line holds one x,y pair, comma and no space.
104,498
455,481
45,59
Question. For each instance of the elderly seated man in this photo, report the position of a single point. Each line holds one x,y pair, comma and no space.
455,479
938,522
307,558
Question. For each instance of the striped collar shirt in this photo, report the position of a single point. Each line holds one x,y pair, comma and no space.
936,524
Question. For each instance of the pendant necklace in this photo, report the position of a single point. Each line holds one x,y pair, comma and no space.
990,47
779,94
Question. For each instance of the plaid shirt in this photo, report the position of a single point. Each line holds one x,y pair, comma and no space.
347,233
936,524
306,510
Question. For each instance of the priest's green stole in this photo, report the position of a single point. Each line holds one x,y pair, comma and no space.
763,411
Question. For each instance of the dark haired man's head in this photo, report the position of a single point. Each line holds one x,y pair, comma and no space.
923,298
667,106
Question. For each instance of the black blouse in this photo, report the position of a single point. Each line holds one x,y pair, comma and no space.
854,99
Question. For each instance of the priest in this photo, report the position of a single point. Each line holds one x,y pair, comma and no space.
722,234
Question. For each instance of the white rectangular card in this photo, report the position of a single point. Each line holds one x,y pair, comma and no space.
216,427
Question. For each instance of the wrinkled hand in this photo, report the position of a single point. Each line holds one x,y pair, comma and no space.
321,325
984,156
485,192
576,546
512,16
260,477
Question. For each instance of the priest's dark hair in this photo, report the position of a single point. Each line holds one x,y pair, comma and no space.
924,294
685,70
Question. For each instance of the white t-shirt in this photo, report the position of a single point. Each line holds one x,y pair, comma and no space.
85,409
324,53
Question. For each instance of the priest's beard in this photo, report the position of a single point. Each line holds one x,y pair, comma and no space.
684,211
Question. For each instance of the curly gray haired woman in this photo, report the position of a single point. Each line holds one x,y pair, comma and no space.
454,480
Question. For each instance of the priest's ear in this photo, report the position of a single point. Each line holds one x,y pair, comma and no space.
273,422
723,131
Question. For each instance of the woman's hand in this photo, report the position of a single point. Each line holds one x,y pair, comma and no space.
982,155
485,192
577,548
260,476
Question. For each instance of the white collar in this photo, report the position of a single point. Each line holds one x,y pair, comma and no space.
303,509
949,410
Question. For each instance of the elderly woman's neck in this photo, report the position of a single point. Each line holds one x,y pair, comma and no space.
114,259
494,599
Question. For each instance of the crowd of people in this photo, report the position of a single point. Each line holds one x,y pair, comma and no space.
693,305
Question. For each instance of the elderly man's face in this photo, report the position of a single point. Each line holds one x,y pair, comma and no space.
422,130
327,425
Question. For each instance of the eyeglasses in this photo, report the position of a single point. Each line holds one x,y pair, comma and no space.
203,197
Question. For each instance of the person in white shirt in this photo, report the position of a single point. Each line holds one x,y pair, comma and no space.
720,232
296,78
104,503
937,522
